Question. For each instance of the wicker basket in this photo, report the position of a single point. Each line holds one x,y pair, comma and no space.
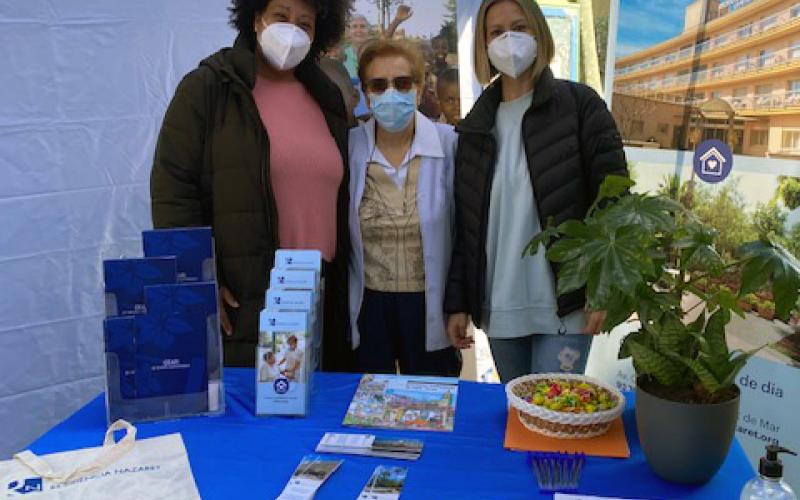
562,425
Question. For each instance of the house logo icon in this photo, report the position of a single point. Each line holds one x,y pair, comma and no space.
713,161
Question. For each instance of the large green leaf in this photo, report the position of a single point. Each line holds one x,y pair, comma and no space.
672,334
619,311
715,333
566,249
544,238
768,261
648,361
613,186
696,243
642,337
573,276
703,374
615,260
737,361
650,214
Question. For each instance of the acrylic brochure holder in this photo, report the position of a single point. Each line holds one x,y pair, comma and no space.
161,333
290,334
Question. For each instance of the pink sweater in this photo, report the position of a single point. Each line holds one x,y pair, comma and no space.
305,165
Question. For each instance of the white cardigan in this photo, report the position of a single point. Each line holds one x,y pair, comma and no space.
435,144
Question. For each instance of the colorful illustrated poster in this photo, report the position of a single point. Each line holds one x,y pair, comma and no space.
404,402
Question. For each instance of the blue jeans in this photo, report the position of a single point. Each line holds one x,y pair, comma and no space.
540,353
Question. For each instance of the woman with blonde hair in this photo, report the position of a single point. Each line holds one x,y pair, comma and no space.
401,225
532,151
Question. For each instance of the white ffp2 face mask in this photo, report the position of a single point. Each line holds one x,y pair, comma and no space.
513,52
284,45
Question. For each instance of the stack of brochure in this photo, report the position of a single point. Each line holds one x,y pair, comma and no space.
289,339
161,331
369,445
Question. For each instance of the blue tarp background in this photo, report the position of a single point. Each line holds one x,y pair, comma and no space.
83,88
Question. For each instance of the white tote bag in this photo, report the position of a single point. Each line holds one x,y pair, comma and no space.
155,468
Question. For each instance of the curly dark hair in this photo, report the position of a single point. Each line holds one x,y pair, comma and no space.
329,28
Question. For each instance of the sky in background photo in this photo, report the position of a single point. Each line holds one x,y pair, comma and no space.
426,21
644,23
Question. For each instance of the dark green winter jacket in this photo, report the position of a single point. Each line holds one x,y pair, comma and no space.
211,167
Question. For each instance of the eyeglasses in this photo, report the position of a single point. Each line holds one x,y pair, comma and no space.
380,85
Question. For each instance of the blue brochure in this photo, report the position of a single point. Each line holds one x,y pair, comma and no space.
125,280
120,333
192,246
182,298
171,355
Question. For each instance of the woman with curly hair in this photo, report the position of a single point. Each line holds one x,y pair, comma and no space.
254,144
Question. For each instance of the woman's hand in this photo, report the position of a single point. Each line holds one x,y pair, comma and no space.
594,322
403,14
226,298
457,331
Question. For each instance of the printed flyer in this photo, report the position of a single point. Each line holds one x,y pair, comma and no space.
400,402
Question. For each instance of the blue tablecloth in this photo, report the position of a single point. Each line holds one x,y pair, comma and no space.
240,456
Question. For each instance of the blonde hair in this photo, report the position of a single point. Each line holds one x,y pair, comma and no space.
381,47
484,70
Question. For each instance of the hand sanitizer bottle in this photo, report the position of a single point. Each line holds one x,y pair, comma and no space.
769,484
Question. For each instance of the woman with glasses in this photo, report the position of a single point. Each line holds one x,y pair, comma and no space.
533,150
401,221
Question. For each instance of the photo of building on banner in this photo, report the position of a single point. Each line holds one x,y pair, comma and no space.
688,71
721,81
706,95
428,25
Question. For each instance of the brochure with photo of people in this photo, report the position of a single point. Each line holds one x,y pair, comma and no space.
282,373
404,402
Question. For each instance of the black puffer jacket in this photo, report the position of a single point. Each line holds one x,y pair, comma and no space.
572,144
211,168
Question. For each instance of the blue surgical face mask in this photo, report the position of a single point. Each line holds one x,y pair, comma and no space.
394,110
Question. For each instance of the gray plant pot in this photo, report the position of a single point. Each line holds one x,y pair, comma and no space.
685,443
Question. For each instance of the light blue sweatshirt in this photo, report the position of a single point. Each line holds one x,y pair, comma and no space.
520,297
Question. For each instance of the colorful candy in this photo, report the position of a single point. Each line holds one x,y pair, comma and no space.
571,396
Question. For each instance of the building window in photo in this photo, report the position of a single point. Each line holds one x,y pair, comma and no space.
769,22
794,50
793,93
742,64
790,141
745,31
759,137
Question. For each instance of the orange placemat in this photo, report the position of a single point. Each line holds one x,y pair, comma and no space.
611,444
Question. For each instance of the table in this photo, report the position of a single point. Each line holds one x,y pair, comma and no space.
240,456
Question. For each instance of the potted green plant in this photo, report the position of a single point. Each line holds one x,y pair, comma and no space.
642,254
